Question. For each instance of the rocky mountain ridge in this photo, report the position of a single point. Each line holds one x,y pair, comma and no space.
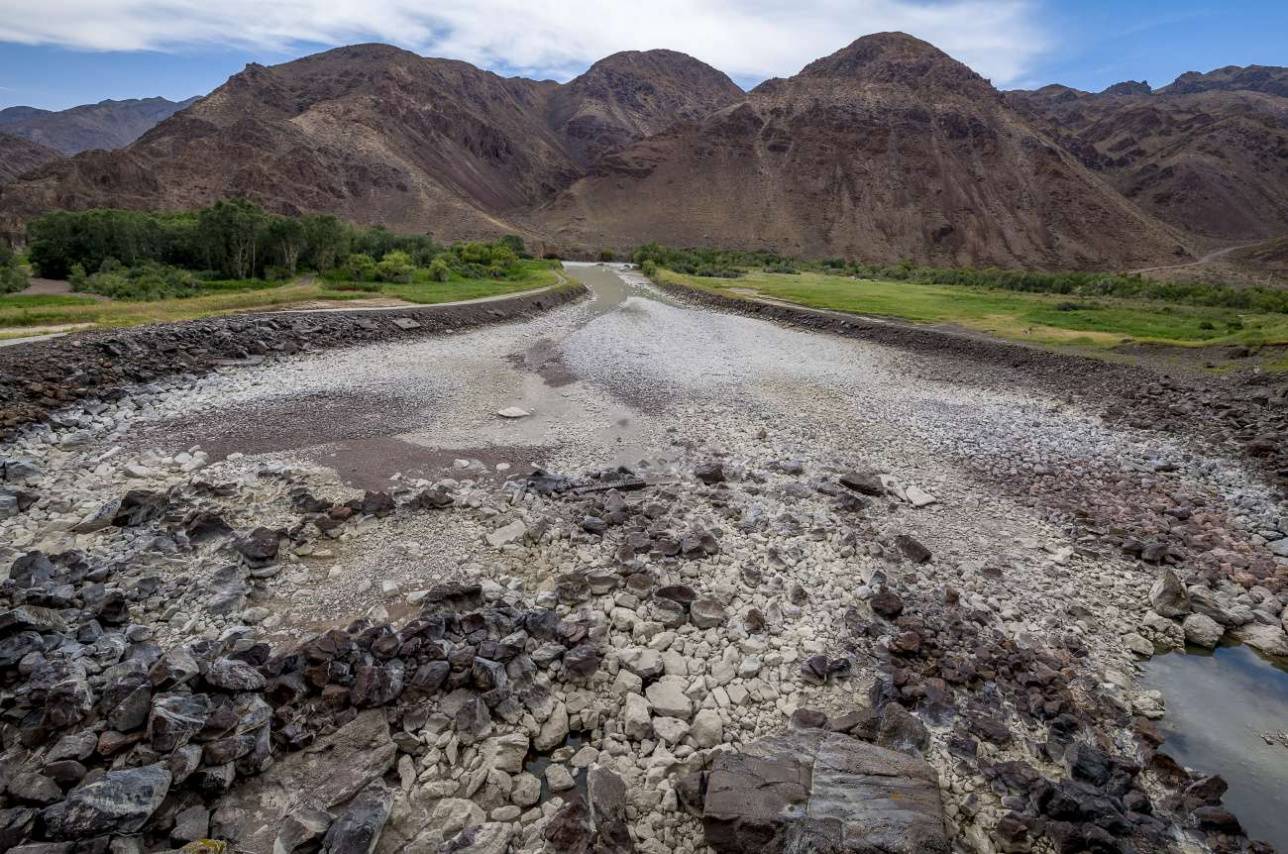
885,150
106,125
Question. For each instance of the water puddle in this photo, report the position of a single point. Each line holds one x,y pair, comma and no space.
1227,714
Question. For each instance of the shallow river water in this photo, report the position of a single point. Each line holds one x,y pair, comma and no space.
1227,714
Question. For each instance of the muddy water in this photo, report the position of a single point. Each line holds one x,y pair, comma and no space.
1227,714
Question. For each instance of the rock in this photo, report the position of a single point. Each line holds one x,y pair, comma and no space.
451,815
33,788
327,774
554,731
377,685
912,548
513,412
1202,630
918,497
121,802
819,791
1279,547
1168,596
581,662
229,586
1138,644
559,778
636,721
708,729
300,828
506,752
492,837
1268,639
900,730
233,674
140,506
259,547
508,534
190,825
710,473
526,790
864,483
670,730
887,604
357,829
707,613
668,699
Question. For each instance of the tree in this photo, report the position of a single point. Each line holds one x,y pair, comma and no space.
288,239
231,230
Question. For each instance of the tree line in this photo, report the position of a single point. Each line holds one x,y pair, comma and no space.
237,239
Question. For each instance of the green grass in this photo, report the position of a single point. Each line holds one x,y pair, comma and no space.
18,312
530,275
1045,319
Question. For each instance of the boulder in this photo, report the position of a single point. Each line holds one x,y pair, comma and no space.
1168,596
822,792
668,699
1202,630
120,803
323,776
357,829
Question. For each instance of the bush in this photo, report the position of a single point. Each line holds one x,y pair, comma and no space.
13,277
607,255
148,281
395,267
439,271
360,267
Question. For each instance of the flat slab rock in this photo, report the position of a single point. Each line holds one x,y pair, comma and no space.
828,793
326,775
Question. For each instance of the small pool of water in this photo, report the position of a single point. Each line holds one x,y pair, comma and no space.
1227,714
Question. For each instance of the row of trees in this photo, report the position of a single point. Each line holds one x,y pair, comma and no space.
233,239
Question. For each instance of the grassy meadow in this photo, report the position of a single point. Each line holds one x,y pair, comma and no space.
1051,320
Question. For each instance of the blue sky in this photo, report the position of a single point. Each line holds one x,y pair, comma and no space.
59,53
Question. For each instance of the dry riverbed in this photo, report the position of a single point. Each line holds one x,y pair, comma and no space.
330,587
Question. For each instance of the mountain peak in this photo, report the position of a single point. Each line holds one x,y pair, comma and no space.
898,59
1129,87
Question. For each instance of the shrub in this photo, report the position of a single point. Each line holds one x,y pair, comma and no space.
607,255
13,277
360,267
395,267
439,271
149,281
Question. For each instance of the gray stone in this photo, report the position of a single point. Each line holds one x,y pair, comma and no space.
668,699
357,829
1169,596
121,802
822,792
707,613
1202,630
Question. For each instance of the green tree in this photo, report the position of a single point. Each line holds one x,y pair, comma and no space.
231,231
287,238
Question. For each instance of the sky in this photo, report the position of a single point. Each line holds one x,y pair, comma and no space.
56,54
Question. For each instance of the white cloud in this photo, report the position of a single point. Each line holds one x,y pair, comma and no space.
556,38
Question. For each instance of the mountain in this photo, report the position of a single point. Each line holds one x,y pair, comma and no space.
380,135
1207,154
17,156
107,124
628,96
886,150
